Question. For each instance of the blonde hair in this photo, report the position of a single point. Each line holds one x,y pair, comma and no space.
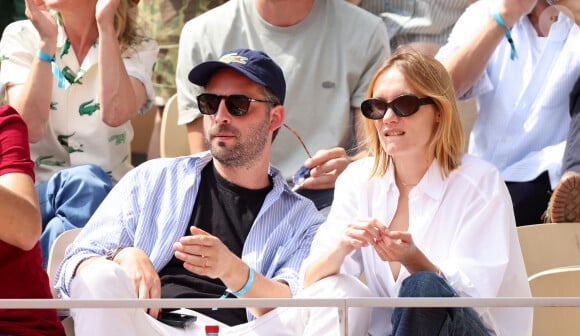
126,24
429,78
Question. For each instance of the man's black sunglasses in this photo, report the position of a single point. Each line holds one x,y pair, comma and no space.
237,104
403,106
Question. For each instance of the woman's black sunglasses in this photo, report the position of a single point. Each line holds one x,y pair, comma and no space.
403,106
237,104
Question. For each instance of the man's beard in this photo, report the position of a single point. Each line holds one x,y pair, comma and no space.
244,152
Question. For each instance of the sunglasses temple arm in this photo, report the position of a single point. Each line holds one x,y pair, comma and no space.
299,139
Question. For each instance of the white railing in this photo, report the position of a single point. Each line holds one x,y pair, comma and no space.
341,304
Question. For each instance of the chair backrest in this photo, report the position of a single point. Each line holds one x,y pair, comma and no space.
57,254
556,282
546,246
143,125
468,114
173,140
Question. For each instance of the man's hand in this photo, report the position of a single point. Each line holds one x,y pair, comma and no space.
142,274
136,263
204,254
325,167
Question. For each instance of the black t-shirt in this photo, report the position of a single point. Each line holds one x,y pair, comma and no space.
226,211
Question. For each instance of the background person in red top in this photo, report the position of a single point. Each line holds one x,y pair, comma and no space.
20,226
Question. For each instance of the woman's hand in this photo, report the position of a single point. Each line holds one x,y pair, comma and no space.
360,233
399,246
44,23
396,246
105,12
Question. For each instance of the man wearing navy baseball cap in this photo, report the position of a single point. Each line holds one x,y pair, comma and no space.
217,224
255,65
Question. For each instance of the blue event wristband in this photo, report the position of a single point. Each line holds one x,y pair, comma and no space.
508,35
61,80
44,56
244,289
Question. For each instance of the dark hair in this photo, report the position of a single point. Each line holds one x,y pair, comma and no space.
272,97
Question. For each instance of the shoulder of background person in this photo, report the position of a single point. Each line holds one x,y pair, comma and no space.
353,15
214,18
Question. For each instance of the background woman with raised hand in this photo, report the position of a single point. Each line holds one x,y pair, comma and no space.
77,73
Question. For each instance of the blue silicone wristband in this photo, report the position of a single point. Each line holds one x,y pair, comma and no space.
242,291
508,34
44,56
60,79
246,287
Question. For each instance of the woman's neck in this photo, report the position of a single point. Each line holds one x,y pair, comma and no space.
80,34
408,173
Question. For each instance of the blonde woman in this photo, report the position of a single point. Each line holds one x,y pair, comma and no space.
77,73
418,217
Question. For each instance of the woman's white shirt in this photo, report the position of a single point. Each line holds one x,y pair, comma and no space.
464,224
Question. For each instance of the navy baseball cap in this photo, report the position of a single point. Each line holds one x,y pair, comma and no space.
255,65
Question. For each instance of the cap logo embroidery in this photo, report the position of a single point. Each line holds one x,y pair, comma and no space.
233,58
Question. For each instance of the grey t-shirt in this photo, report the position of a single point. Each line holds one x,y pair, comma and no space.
410,21
328,60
